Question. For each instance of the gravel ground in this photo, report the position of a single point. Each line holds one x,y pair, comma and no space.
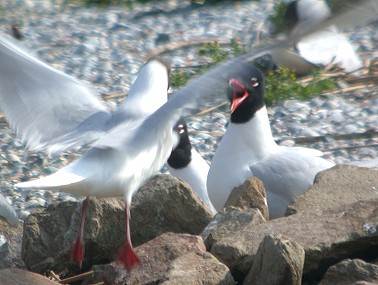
106,47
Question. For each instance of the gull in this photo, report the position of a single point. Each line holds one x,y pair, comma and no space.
52,111
186,163
325,46
248,149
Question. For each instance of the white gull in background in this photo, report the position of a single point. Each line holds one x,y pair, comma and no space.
186,163
325,46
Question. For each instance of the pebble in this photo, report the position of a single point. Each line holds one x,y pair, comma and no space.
106,48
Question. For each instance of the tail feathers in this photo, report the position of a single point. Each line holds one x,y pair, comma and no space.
54,181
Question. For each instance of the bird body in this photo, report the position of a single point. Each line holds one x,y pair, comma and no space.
325,46
186,163
248,149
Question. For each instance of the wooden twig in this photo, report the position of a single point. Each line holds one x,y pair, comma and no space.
175,46
349,147
211,108
369,134
77,277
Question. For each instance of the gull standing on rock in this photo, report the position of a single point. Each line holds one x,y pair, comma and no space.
51,110
248,149
186,163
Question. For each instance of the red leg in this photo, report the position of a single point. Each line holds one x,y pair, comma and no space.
77,250
126,255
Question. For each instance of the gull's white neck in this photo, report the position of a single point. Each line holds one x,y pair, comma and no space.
254,135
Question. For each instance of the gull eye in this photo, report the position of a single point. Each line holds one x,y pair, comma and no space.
254,82
180,129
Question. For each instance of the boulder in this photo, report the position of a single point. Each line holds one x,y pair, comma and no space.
335,187
349,272
167,204
15,276
278,261
228,221
168,259
251,194
10,245
327,237
164,204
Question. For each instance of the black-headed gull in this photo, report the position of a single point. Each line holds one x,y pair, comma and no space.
7,212
248,149
186,163
50,110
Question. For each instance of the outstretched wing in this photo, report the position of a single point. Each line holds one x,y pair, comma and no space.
41,103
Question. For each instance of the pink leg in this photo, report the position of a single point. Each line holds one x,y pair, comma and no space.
126,255
77,250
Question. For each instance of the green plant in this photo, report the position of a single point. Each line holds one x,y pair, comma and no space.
278,17
282,83
213,53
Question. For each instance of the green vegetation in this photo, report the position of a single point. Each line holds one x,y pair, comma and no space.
278,17
283,83
280,84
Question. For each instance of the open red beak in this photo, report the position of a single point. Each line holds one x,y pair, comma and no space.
240,93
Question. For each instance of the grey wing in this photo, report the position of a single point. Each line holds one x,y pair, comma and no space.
43,105
289,173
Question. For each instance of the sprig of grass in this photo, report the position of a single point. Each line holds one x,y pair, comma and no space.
278,17
213,53
280,84
283,84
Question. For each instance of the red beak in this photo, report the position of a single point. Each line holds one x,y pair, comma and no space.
236,98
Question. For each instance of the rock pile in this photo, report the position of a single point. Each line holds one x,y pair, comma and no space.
330,236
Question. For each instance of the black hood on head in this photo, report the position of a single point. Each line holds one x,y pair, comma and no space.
253,81
182,154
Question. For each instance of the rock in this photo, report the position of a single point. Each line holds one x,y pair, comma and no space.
327,237
278,261
49,234
165,204
350,271
14,276
198,268
251,194
168,259
227,222
10,245
335,187
161,39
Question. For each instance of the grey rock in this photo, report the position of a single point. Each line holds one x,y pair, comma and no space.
229,221
49,234
251,194
165,204
332,234
198,268
352,184
278,261
168,259
15,276
350,271
10,245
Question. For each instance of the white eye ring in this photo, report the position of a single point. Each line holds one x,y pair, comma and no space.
254,82
180,129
